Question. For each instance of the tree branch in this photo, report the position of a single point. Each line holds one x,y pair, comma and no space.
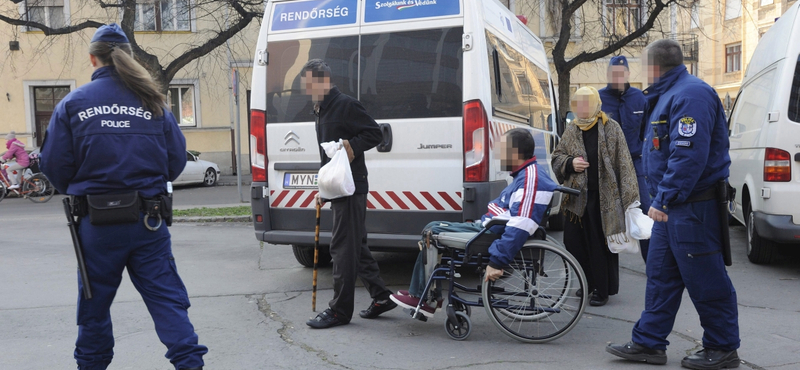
47,30
211,44
106,5
646,27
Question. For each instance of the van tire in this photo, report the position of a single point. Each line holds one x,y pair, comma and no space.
305,255
556,222
759,250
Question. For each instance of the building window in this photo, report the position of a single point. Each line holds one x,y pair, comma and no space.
693,69
163,15
45,99
47,12
695,15
733,58
622,17
733,9
182,104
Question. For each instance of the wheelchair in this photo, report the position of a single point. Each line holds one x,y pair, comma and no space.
540,297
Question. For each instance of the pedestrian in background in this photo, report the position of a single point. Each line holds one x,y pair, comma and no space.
115,137
16,158
339,116
593,156
626,104
685,156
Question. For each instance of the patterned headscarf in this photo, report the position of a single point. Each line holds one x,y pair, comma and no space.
591,95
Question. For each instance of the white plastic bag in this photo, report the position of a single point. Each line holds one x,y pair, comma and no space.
622,243
335,179
638,225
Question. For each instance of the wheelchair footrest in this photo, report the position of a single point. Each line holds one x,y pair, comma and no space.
415,314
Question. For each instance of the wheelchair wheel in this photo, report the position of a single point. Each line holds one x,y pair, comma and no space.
460,307
460,329
536,300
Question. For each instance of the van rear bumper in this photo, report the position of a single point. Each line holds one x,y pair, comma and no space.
779,228
392,242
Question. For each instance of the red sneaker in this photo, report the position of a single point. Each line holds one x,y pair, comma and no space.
402,292
407,301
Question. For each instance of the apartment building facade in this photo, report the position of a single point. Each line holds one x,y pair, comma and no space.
39,70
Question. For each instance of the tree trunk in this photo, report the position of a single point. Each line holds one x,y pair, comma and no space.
563,90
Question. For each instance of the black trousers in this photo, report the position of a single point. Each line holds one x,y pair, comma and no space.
351,255
585,239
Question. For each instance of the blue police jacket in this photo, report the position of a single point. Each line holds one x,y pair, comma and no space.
101,140
627,108
686,146
523,203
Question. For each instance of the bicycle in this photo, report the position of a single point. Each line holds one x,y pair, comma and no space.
37,188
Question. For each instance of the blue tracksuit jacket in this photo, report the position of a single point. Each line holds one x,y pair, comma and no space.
523,203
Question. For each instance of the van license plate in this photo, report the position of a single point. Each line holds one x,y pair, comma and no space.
299,180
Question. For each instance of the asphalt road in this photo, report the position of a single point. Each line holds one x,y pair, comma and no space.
250,302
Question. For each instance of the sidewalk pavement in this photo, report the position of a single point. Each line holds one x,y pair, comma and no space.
230,180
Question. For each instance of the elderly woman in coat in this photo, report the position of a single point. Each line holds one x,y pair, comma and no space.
593,156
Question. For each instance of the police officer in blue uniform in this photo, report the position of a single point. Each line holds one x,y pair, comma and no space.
685,156
114,136
625,104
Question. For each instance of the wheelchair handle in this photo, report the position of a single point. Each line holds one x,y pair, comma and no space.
567,190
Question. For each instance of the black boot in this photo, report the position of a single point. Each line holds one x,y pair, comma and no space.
597,300
711,359
635,352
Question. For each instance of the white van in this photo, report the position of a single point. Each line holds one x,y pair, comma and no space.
765,141
443,79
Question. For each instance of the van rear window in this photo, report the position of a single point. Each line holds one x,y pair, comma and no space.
414,74
286,101
794,96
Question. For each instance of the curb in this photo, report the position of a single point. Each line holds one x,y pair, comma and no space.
214,219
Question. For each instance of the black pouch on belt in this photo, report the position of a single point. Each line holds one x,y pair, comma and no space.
166,209
112,209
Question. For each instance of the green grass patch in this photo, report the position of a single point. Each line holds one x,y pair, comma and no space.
208,212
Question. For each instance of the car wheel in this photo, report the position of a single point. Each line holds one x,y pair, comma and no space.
759,250
210,178
305,255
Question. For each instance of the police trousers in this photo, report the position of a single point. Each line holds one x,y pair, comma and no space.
686,253
351,256
147,255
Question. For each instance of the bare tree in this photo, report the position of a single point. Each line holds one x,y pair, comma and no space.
229,18
586,20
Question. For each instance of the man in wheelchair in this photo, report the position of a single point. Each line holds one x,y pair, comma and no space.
523,203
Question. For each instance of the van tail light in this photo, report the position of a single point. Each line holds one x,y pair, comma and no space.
476,142
777,165
258,145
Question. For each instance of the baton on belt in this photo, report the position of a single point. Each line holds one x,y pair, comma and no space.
722,205
76,242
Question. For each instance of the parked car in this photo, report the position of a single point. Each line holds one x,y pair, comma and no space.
765,142
198,171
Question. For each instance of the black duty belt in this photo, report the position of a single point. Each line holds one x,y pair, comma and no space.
708,194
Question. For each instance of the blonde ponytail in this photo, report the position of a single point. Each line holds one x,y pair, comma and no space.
131,73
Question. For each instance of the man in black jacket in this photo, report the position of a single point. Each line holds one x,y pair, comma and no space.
341,117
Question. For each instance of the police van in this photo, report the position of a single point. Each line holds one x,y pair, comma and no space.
444,79
765,141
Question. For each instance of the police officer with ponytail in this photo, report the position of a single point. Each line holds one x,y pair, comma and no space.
113,146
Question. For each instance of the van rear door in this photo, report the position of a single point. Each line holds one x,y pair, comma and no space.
411,82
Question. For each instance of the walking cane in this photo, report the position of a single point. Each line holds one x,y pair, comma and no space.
316,259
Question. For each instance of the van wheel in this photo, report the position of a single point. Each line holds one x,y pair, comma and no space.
759,250
556,222
305,255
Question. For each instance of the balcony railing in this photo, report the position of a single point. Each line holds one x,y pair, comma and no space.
690,45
